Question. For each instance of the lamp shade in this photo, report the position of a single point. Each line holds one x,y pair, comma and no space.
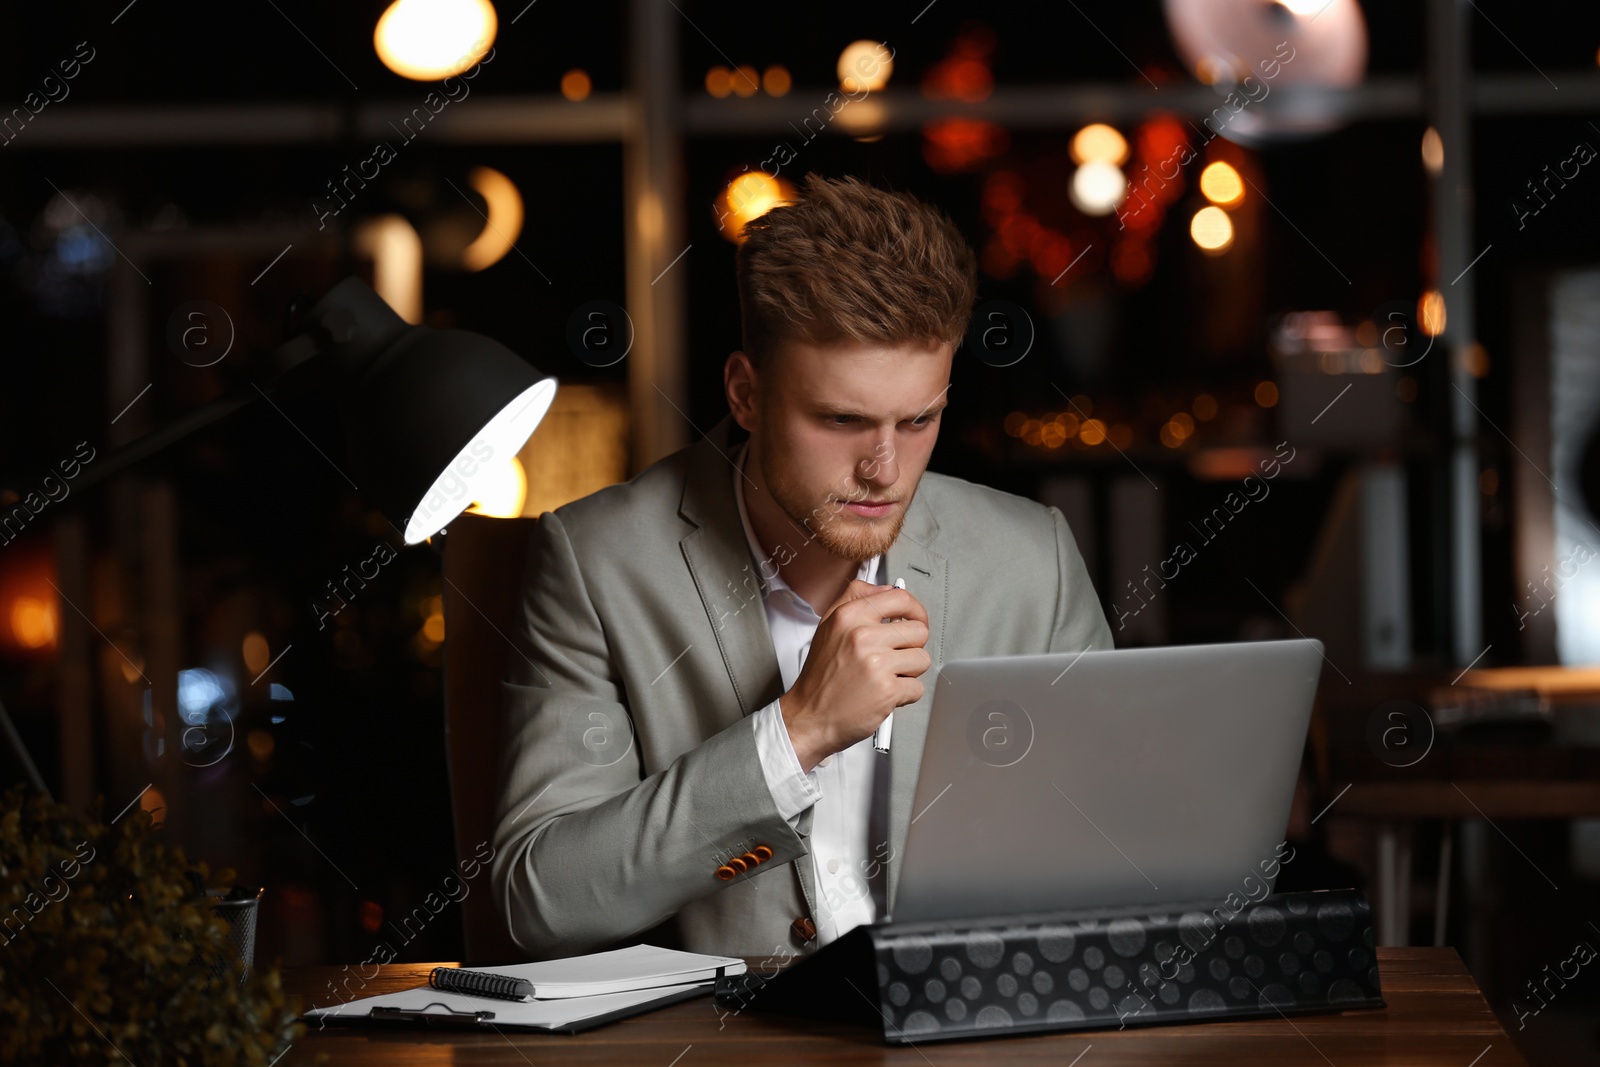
427,413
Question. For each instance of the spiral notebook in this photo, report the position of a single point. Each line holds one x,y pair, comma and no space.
617,971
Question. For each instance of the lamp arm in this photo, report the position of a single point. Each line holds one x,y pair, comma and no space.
168,435
280,361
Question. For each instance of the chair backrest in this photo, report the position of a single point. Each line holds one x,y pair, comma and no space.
483,585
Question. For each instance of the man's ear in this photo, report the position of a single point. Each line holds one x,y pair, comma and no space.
741,382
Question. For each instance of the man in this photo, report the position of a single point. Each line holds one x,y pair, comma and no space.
705,652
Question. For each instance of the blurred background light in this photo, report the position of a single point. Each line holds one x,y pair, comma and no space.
864,65
1098,187
1099,141
1430,313
256,652
1309,44
427,40
33,622
776,81
1221,184
749,196
1212,230
1432,151
204,696
575,85
504,222
744,81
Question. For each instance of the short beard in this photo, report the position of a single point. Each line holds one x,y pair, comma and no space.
843,533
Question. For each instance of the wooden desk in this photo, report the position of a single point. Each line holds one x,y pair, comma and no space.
1436,1015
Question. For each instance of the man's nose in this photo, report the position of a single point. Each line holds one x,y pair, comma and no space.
880,467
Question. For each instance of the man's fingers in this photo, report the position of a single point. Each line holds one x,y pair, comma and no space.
876,602
910,662
907,633
856,590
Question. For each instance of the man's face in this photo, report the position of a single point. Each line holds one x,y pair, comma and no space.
842,434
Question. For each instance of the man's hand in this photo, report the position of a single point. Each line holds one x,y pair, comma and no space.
859,669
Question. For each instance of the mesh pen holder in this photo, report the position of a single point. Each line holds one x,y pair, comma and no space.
240,913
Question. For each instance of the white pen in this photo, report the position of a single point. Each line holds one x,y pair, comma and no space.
880,736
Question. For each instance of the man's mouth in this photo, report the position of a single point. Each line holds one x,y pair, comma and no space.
870,508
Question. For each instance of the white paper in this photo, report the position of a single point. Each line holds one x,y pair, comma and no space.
541,1014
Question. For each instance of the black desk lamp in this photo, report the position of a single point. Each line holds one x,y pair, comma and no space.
425,412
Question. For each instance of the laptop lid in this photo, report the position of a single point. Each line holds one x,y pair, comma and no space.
1106,778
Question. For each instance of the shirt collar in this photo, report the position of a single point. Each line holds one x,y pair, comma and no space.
865,572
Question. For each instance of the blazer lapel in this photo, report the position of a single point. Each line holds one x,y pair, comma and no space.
729,583
926,574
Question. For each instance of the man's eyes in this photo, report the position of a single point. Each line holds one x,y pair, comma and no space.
845,420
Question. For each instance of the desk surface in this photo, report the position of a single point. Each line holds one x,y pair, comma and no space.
1436,1015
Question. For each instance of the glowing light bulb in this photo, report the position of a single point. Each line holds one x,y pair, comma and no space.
503,491
426,40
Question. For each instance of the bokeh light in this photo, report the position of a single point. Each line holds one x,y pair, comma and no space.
864,65
1098,187
1211,230
1430,313
1221,184
776,81
575,85
747,197
426,40
34,622
503,224
257,653
744,81
1099,141
1432,151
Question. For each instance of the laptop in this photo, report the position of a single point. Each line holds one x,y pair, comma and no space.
1106,778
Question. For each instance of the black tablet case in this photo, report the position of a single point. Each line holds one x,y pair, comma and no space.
1288,954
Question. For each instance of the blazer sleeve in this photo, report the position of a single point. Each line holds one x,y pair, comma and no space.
588,850
1080,623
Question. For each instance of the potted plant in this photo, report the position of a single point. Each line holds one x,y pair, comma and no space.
109,954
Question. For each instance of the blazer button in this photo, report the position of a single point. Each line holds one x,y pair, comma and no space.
739,864
751,858
804,929
763,852
725,872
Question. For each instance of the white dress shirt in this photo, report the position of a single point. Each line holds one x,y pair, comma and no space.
849,826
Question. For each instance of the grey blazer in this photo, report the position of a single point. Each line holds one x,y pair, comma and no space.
629,775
